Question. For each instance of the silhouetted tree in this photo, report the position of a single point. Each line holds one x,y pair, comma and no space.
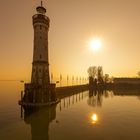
138,73
92,71
100,74
106,78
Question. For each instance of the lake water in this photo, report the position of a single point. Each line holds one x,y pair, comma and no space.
84,116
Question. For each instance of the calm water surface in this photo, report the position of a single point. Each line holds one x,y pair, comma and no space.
84,116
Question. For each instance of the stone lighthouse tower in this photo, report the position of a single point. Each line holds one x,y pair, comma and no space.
40,65
40,91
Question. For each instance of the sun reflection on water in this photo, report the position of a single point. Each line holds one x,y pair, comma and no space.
94,118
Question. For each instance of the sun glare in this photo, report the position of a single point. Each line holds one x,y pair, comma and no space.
94,118
95,44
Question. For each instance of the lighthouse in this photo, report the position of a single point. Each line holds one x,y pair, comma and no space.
40,64
40,91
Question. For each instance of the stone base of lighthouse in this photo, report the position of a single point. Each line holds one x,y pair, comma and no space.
36,95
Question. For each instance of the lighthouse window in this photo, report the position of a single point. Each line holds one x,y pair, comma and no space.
40,37
40,27
40,56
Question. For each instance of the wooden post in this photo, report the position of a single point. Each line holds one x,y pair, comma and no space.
21,115
21,95
34,98
60,105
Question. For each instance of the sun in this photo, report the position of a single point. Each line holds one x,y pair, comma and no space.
95,44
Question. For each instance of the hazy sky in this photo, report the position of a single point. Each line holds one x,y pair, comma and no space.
73,24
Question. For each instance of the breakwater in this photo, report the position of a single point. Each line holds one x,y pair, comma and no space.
62,92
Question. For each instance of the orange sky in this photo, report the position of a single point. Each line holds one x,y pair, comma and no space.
73,24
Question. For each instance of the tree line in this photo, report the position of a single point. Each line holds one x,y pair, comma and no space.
97,76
